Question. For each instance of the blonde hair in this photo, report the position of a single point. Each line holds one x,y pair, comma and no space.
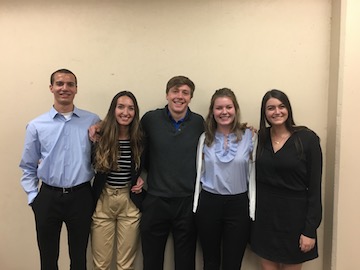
210,123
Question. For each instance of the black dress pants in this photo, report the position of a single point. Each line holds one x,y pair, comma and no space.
160,216
223,226
52,208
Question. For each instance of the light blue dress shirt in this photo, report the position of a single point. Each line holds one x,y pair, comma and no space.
57,151
226,169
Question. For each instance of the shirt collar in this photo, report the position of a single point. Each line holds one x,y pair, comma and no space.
173,120
54,112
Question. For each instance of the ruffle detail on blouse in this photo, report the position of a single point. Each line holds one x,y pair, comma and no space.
228,154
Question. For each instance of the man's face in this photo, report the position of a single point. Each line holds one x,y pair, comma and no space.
178,98
64,89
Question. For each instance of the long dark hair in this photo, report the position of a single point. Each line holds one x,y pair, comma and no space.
107,150
289,123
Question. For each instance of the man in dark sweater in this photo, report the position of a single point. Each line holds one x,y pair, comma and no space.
172,135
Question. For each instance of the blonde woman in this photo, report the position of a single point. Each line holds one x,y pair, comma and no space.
222,208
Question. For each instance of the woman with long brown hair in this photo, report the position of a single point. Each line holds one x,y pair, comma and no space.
117,185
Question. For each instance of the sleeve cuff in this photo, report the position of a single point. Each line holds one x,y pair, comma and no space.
31,197
309,232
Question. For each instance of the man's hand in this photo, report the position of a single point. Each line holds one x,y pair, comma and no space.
139,185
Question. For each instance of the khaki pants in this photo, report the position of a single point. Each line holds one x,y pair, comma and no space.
116,218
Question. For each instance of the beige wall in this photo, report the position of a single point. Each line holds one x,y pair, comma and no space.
248,45
347,200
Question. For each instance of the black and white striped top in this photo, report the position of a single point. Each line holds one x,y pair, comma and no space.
123,176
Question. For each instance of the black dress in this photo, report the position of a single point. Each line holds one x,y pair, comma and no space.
288,199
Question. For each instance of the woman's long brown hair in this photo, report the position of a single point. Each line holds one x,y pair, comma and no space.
107,148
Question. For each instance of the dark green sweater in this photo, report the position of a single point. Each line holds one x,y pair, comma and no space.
170,154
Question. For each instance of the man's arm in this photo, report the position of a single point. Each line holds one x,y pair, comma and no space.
30,160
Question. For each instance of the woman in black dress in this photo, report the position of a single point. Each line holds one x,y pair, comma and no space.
288,178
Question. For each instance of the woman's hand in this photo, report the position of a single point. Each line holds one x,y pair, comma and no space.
306,243
139,185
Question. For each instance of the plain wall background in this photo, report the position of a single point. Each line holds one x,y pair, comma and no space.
250,46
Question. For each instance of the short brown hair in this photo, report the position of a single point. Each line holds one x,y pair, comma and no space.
62,70
178,81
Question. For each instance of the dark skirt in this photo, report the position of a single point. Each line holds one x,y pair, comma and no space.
279,221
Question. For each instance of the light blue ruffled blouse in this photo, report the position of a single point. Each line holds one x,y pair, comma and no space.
227,168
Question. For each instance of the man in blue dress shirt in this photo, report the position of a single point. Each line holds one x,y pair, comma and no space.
57,153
